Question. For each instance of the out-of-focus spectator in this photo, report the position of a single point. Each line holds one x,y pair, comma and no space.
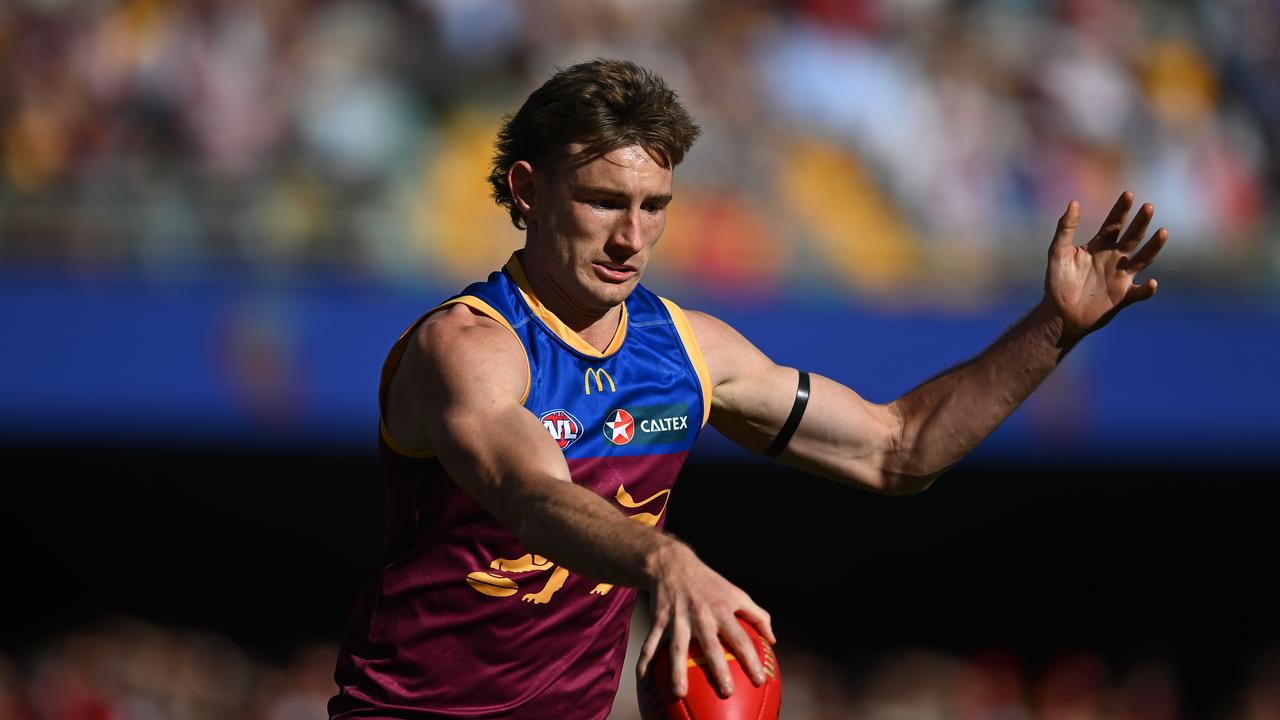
1260,698
130,670
872,147
133,670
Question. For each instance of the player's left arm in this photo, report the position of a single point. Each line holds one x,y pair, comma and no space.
902,446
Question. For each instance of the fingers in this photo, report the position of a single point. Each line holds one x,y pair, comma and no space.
745,650
759,618
1148,253
1064,237
1137,229
679,649
713,655
1138,293
651,643
694,602
1111,227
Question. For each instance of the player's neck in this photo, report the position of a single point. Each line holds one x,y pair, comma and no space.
594,325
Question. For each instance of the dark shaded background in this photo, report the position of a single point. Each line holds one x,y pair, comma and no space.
1133,561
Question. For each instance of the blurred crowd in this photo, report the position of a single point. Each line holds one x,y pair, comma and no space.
130,670
884,147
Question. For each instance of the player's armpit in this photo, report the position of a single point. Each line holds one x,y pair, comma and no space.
841,436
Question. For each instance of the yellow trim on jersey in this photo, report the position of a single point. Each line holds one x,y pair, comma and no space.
479,306
556,325
401,449
695,354
487,310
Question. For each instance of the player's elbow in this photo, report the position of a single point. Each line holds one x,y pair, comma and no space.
896,484
896,473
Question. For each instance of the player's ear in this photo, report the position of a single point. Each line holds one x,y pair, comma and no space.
524,190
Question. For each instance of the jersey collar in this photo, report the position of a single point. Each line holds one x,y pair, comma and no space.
554,324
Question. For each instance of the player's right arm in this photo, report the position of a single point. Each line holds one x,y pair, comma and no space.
459,387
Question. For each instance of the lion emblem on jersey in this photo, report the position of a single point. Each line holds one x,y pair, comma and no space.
492,584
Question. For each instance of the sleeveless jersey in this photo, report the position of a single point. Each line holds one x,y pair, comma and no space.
462,621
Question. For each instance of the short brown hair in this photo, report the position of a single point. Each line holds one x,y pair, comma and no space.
602,104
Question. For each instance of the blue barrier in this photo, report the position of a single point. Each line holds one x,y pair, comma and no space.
295,365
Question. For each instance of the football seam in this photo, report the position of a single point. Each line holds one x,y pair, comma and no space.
764,701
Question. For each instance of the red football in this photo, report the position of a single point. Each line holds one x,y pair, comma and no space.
747,702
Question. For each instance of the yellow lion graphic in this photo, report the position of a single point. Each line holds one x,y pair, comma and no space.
494,585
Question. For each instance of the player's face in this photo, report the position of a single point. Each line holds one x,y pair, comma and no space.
598,223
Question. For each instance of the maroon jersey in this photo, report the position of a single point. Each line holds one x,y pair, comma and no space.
464,622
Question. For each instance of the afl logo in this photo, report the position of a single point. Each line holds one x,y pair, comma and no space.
620,427
564,428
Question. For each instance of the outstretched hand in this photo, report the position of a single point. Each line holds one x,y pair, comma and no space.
1089,284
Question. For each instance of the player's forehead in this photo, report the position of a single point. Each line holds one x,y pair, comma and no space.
630,170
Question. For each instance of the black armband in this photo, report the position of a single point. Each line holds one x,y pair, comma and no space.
793,420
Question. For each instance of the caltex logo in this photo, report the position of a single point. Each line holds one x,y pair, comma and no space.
564,428
620,427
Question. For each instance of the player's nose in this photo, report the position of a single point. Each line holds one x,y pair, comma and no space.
629,235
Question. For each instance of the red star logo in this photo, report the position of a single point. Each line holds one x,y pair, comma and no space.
620,427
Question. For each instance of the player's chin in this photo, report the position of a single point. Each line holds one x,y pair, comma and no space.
623,291
613,292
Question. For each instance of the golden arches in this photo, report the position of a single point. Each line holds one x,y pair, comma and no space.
600,374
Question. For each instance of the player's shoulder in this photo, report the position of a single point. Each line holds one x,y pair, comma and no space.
460,341
728,354
458,325
711,330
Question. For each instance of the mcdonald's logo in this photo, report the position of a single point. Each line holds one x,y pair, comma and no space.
600,375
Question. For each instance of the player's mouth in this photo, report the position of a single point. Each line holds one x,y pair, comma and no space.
612,273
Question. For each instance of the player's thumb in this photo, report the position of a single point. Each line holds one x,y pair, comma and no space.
1138,293
1065,235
